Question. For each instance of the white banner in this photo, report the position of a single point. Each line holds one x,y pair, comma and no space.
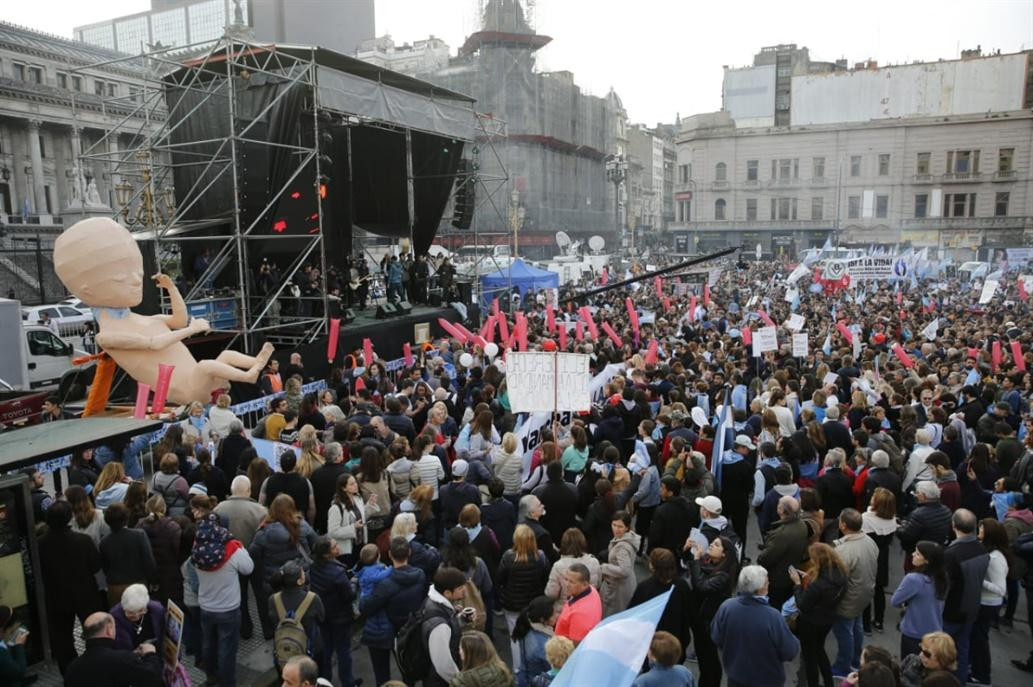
795,322
800,345
1018,255
861,269
765,339
930,329
543,382
989,289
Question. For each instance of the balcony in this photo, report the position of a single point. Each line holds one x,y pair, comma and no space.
719,185
923,179
967,223
754,225
786,182
751,183
819,182
1006,175
962,178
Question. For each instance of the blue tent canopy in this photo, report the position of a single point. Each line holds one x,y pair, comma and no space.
520,275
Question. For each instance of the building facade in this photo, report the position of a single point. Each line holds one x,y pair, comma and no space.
958,183
428,55
339,26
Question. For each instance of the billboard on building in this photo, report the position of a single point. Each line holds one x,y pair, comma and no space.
749,95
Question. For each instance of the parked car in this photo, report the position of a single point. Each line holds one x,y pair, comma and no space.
70,320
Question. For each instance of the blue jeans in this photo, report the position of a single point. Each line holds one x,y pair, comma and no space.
221,632
337,638
961,633
849,634
192,632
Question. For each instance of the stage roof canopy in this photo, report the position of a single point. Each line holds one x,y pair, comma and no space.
34,444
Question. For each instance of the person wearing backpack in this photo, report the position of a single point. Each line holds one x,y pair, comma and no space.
171,486
329,579
427,647
298,613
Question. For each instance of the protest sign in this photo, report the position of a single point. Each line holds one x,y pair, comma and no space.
173,635
800,345
989,288
765,339
540,381
795,322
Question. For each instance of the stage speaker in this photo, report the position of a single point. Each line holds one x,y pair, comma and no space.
347,316
465,198
386,310
404,307
465,289
435,298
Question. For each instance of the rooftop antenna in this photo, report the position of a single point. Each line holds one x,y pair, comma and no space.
596,244
563,241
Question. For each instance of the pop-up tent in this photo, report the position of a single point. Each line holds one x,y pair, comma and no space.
520,275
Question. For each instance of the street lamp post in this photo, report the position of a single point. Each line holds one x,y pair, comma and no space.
517,213
617,171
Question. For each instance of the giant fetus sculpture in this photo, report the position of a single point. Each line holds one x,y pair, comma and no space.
98,260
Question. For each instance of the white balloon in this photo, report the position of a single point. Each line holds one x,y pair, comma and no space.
500,365
491,350
466,360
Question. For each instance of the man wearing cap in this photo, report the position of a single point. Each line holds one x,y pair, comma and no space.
712,523
737,484
457,494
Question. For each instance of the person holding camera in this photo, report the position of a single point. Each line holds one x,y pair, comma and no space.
443,623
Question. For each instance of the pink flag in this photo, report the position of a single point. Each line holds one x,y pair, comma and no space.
692,308
653,352
495,307
706,294
606,276
617,341
466,332
747,336
845,332
766,318
143,391
667,304
487,329
905,359
367,352
359,384
632,315
161,389
1022,289
521,329
995,355
448,327
973,353
563,338
1016,354
331,342
503,328
586,315
579,331
550,319
658,284
407,353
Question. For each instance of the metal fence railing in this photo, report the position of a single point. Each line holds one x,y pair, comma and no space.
27,274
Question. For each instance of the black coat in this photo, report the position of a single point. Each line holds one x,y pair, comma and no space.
930,520
102,665
501,517
737,491
817,603
596,526
837,436
560,499
126,557
885,478
228,456
672,522
324,484
68,562
679,612
836,490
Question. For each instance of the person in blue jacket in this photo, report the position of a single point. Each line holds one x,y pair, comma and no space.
754,640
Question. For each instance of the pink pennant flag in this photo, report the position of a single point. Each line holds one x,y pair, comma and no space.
503,327
766,318
550,318
367,352
452,330
658,285
667,304
905,359
579,331
845,332
521,328
478,340
632,315
1016,354
407,353
586,315
488,328
563,338
331,342
995,355
747,336
973,353
617,341
692,308
495,307
161,389
653,352
360,384
706,294
1022,289
606,276
466,332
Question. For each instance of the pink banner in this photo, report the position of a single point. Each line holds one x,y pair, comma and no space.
448,327
706,294
747,336
606,276
845,332
331,344
550,319
143,391
905,359
653,352
495,308
692,308
586,315
161,389
658,285
1022,289
1016,354
579,331
407,354
632,315
563,338
617,341
766,318
995,355
900,297
367,352
521,329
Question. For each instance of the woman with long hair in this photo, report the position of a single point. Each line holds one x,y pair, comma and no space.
995,582
211,476
309,413
533,628
284,535
310,459
818,590
136,502
880,523
166,538
85,518
170,485
618,573
422,500
111,485
481,665
345,521
83,470
483,437
522,575
373,486
459,553
257,470
714,573
573,549
575,456
173,442
922,591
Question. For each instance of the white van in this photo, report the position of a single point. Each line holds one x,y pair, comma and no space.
973,270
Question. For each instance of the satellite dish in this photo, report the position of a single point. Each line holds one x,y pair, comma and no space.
562,240
596,243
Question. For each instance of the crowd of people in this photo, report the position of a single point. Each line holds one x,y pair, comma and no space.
416,515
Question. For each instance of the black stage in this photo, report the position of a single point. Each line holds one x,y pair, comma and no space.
388,335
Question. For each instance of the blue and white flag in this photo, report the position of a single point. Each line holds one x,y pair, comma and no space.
724,437
611,655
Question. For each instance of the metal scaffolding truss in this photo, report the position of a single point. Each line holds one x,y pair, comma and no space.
211,72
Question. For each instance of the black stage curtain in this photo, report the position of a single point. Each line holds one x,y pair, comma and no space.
379,187
435,160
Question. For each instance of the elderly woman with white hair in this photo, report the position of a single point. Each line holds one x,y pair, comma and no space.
421,556
138,619
917,470
196,427
220,416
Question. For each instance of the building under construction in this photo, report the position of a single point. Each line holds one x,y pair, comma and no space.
550,152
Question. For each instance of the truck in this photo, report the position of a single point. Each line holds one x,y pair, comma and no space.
35,364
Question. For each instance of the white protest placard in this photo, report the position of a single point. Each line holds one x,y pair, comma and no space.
830,378
792,294
765,339
800,345
541,382
930,330
989,288
795,322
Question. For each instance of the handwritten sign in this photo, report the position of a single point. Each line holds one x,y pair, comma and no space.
173,636
795,322
989,289
765,339
800,345
539,381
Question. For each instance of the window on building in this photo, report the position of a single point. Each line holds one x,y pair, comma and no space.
1005,159
42,145
786,208
77,83
47,197
921,205
962,161
684,210
112,89
884,164
135,93
922,163
751,209
818,168
19,71
853,207
789,169
683,174
98,87
62,80
855,165
35,74
959,204
719,208
751,170
720,172
1001,204
882,206
817,207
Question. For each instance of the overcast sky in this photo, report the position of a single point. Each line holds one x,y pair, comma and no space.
664,57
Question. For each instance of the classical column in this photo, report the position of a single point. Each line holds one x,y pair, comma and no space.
36,155
114,163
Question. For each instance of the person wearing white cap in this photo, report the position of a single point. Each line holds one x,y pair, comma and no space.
457,494
713,524
737,484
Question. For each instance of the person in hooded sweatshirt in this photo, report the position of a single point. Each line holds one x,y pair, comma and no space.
783,486
674,518
737,484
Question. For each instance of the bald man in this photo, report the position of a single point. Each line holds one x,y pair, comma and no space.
102,665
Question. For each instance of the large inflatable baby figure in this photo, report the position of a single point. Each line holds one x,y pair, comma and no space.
98,260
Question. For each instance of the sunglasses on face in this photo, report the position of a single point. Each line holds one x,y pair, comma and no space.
927,653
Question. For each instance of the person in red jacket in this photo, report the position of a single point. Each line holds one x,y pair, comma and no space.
946,479
583,609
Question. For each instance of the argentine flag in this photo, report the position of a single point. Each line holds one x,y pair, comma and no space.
724,437
611,655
